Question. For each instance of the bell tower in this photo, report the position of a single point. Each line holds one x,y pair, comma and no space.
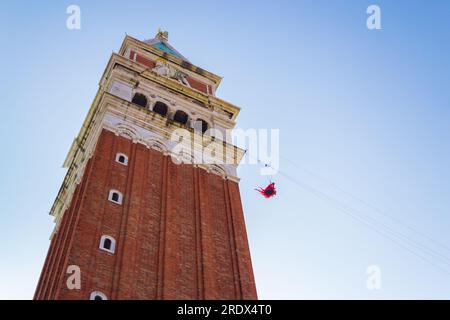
134,217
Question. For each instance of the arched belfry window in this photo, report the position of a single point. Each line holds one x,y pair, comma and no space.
140,100
97,295
201,124
160,108
180,117
107,243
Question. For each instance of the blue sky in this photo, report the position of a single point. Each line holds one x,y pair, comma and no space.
366,111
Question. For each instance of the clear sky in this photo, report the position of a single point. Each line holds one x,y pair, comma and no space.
363,115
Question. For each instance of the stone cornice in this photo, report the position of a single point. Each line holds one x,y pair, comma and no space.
171,84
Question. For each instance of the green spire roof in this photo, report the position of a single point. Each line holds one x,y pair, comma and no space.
160,42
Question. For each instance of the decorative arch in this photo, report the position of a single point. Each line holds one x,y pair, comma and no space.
218,169
156,145
127,131
186,157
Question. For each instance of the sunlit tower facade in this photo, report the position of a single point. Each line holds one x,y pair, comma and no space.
130,221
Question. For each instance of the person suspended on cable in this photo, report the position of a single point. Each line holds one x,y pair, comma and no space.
268,191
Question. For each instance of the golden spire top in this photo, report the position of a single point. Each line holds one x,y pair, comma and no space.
162,35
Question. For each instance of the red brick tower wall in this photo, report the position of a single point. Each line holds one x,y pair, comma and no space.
180,231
